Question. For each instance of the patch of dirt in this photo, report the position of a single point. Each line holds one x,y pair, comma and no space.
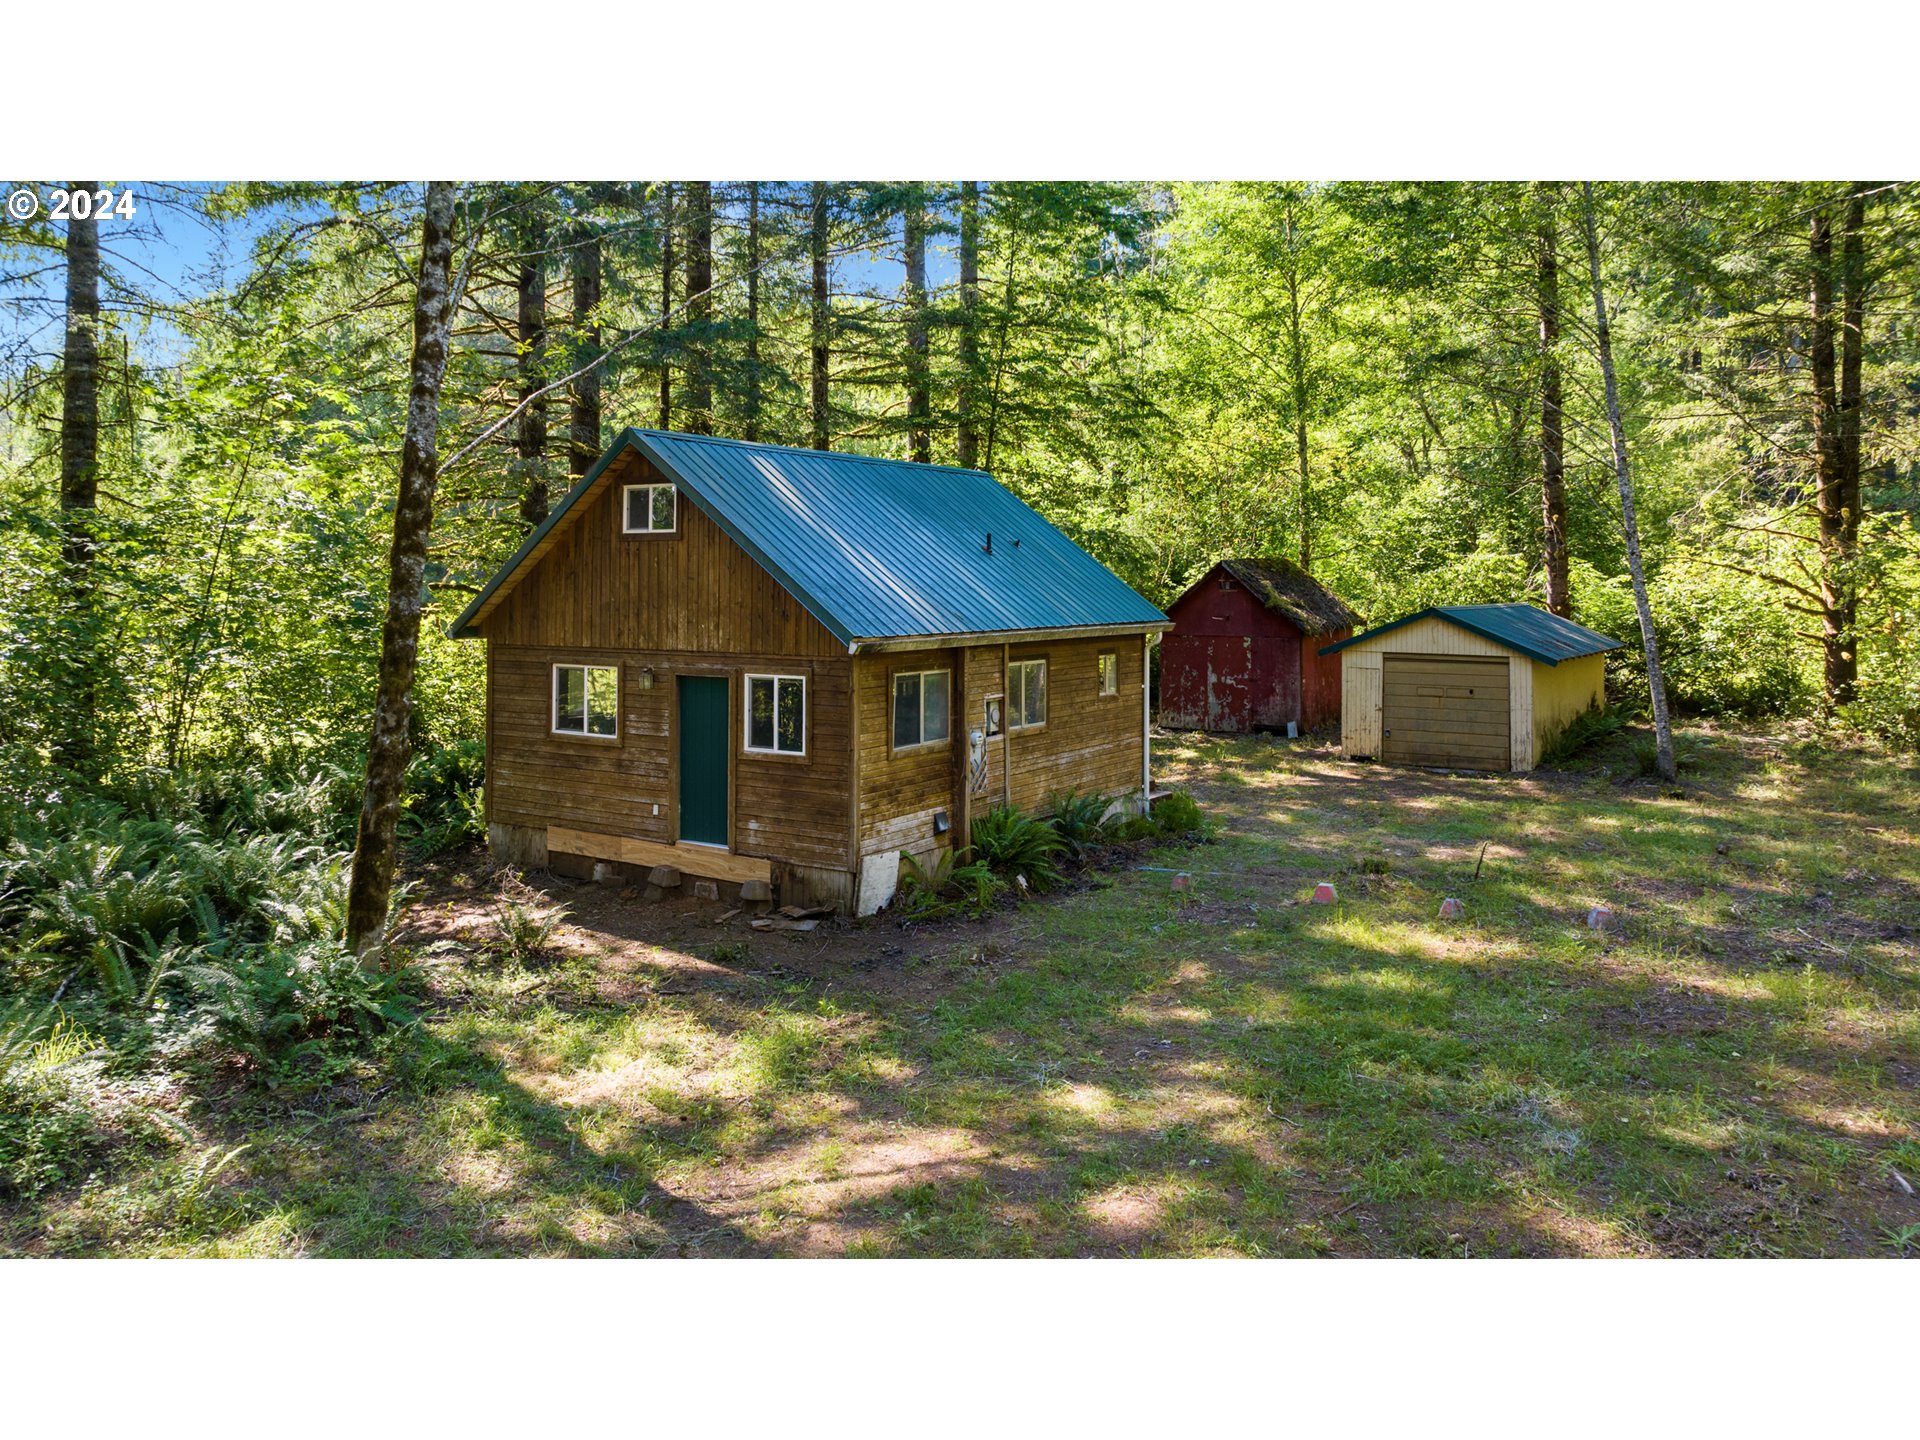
1668,1012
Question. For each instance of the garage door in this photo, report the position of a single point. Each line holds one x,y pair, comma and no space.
1440,711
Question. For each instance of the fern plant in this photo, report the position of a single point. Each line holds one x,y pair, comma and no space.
1010,843
522,931
1080,819
952,882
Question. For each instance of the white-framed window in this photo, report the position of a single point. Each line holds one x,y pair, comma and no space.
921,702
648,509
586,701
1109,672
777,714
1026,693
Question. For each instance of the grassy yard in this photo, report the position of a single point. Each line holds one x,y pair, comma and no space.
1734,1070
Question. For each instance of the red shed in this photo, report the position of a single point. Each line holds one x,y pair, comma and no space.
1243,653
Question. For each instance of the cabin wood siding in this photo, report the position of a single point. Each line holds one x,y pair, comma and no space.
691,591
900,789
692,602
1090,741
782,808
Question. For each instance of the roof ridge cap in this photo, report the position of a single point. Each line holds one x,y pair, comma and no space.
806,450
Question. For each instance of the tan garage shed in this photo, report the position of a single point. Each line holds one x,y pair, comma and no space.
1471,687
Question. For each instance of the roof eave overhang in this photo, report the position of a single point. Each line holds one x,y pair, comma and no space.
1435,613
463,628
875,644
631,439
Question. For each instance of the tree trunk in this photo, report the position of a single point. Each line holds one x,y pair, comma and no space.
699,305
1840,507
369,891
80,472
584,442
818,408
1656,681
530,442
967,438
1828,459
913,229
666,303
1553,465
751,427
1297,366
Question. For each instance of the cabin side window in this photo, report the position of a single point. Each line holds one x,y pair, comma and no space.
586,701
649,509
920,705
1109,673
1026,694
777,714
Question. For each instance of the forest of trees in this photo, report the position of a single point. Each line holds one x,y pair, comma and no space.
1395,384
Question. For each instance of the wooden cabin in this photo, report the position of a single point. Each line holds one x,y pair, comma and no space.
751,662
1244,652
1470,687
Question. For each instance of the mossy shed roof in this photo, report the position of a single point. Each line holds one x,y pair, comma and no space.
1288,591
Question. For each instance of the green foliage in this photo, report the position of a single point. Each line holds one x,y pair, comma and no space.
1079,818
1176,814
1727,642
1010,843
523,929
1587,728
446,802
162,908
951,883
302,1008
47,1129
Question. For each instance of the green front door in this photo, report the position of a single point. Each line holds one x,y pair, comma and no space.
703,759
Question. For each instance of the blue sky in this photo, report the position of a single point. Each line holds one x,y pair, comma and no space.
172,253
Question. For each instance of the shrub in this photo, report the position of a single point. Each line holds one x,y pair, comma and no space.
951,882
1079,819
1009,843
1728,645
158,904
286,1008
1175,814
446,802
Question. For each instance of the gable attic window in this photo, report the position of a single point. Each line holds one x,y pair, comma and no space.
586,701
777,714
920,708
1027,693
649,509
1109,673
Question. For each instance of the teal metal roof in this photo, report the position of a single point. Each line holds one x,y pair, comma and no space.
877,549
1537,634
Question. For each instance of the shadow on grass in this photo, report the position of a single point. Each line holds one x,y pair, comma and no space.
1242,1074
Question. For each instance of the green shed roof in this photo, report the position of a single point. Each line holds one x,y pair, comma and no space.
877,549
1537,634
